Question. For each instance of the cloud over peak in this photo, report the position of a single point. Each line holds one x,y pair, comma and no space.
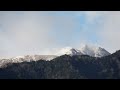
31,32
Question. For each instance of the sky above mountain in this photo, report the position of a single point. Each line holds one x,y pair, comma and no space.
43,32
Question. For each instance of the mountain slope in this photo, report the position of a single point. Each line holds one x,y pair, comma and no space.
94,51
66,67
26,58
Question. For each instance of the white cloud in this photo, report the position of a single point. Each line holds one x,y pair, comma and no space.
26,33
32,32
91,16
110,32
37,32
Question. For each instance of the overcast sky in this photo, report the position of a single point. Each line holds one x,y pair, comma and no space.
38,32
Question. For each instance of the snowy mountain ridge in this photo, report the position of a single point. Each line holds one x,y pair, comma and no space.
26,58
84,50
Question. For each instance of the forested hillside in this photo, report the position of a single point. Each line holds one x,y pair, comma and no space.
65,67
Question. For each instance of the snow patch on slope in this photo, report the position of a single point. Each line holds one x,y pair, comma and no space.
26,58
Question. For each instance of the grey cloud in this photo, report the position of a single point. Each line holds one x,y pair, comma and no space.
38,32
110,32
32,32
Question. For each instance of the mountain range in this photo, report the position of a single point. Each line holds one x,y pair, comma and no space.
65,67
84,50
86,62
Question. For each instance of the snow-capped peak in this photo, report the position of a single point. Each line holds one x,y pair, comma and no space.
84,50
69,51
100,52
93,51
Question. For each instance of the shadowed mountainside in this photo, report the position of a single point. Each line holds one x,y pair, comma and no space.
66,67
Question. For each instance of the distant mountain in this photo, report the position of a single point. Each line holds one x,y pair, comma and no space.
26,58
65,67
69,51
84,50
94,51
